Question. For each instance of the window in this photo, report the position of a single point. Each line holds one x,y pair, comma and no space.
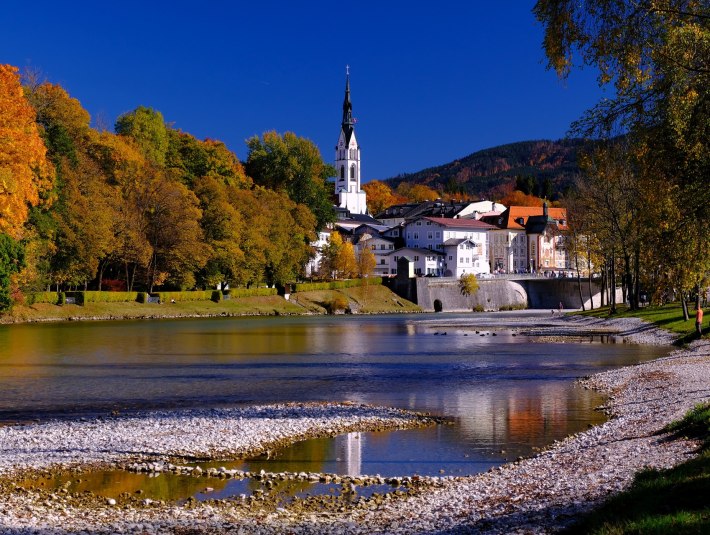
419,223
451,257
416,235
428,223
352,172
391,247
342,171
438,234
396,258
382,247
373,246
382,261
416,258
430,235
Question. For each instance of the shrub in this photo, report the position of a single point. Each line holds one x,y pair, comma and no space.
199,295
336,303
142,297
62,298
216,295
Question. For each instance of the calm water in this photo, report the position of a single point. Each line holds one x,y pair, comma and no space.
505,393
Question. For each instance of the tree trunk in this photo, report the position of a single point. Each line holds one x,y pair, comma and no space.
589,282
686,316
612,284
579,281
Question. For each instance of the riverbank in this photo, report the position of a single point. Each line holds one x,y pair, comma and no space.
538,494
375,299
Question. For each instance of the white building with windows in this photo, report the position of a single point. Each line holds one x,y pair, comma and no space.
425,261
464,242
347,161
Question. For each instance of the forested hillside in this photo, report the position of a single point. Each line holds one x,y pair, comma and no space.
547,168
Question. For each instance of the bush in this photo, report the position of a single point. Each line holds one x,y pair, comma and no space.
338,302
216,295
142,297
62,298
251,292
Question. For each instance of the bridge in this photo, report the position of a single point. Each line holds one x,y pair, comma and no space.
501,292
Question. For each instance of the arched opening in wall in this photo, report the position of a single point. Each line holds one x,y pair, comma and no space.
352,171
342,171
438,306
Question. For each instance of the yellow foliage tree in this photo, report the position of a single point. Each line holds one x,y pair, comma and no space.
25,173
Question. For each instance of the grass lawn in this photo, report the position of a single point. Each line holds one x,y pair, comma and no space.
673,501
368,299
669,317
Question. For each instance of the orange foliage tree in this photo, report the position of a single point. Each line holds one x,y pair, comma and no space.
380,196
25,173
518,198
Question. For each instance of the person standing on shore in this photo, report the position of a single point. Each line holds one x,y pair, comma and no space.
699,321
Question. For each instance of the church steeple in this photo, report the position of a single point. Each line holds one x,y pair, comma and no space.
347,159
347,105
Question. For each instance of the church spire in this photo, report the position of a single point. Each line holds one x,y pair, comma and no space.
347,105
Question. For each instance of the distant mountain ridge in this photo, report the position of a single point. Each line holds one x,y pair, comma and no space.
488,170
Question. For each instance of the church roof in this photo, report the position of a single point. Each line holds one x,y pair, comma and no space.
348,122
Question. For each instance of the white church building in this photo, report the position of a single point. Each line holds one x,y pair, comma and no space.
347,161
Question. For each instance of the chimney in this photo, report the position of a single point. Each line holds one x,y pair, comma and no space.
544,208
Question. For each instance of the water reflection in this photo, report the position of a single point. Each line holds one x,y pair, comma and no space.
503,392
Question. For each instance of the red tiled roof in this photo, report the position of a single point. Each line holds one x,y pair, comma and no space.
513,213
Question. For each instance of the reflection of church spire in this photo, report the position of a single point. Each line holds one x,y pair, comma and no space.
349,449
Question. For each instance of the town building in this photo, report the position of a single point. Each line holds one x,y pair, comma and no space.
464,242
529,239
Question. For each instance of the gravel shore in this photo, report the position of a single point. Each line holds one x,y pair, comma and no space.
536,495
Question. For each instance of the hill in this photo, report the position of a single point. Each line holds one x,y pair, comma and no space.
544,165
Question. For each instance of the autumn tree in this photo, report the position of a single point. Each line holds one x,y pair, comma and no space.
293,165
366,262
656,55
346,263
380,196
223,226
468,284
416,192
518,198
25,173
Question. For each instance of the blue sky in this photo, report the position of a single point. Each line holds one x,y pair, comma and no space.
431,82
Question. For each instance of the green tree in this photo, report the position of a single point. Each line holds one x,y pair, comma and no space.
12,259
147,128
293,165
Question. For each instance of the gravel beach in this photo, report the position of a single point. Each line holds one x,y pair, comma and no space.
535,495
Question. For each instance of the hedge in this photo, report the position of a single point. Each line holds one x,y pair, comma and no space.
251,292
43,297
335,285
199,295
109,297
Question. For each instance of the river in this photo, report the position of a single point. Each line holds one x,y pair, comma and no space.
507,394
